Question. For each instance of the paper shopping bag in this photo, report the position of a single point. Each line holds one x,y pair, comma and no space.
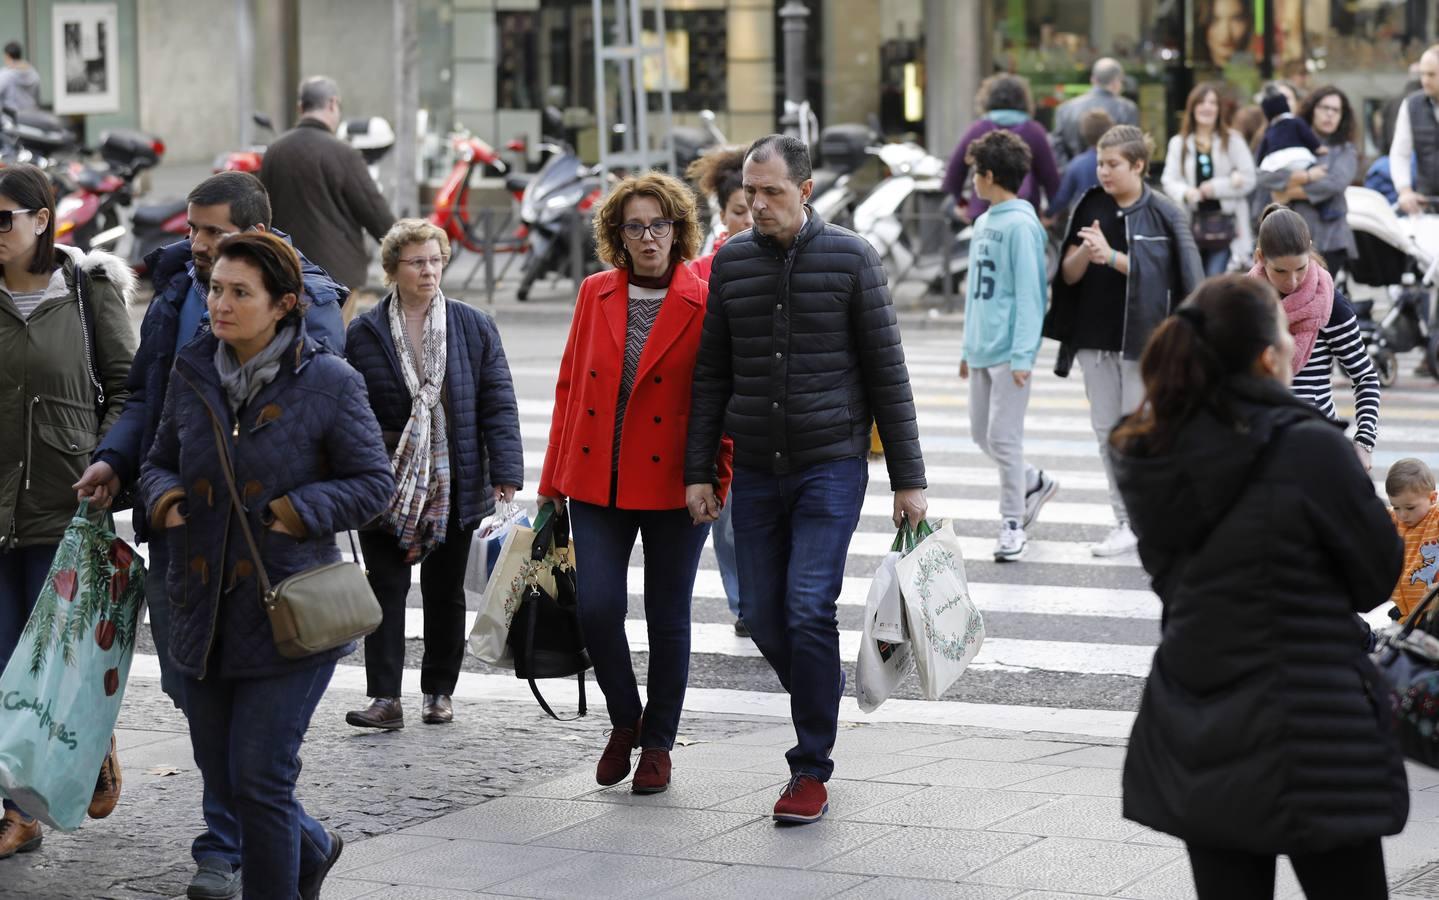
514,571
61,691
945,627
487,543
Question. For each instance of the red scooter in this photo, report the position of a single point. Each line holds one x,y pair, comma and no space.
452,211
93,211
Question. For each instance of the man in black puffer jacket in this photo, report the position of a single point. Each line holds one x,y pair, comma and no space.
800,353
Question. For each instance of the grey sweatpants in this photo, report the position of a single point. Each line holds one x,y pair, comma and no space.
996,425
1114,389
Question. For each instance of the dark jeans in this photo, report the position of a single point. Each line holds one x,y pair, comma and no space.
792,535
246,733
442,593
221,837
604,537
1348,873
1216,262
22,574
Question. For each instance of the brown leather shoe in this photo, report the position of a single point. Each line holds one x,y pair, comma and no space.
438,710
383,712
17,835
615,761
107,785
652,775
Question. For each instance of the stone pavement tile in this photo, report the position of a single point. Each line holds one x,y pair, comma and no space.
724,757
695,789
949,807
1000,749
928,853
1073,864
1088,782
359,854
510,819
131,738
1412,851
889,739
851,764
766,843
1156,839
344,889
846,798
1173,882
758,881
1096,818
567,787
1052,895
604,875
404,892
1425,885
774,736
1423,806
462,865
650,832
1421,778
923,889
975,773
172,752
1095,757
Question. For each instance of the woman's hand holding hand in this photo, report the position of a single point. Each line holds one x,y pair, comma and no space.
99,484
703,504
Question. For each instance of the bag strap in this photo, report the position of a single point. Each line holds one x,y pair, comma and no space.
550,531
535,688
1412,620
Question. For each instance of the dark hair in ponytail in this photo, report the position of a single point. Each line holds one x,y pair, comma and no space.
1218,332
1283,232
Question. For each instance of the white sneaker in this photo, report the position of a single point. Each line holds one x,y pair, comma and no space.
1034,500
1011,543
1120,540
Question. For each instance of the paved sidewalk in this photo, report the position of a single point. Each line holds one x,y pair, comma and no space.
916,812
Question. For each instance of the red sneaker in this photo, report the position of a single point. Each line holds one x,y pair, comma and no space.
652,775
615,761
803,800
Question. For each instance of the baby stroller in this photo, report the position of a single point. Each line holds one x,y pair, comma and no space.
1402,256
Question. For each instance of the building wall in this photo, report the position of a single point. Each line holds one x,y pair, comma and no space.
351,41
191,100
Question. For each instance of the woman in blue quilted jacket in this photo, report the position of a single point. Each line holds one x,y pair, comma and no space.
308,462
441,389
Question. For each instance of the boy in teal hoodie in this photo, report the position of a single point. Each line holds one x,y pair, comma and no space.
1004,309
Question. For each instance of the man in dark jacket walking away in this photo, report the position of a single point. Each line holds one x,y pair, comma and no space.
800,352
322,192
221,205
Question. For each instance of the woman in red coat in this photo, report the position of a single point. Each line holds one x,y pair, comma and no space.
616,452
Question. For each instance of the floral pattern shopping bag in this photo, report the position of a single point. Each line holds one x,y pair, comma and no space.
60,694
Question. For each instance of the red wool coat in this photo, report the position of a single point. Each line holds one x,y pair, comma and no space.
652,445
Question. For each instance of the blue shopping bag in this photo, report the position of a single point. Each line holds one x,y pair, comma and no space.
488,541
60,694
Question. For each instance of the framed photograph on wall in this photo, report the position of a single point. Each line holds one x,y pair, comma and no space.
86,55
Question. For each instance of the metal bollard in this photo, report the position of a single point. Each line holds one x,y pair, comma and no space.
487,223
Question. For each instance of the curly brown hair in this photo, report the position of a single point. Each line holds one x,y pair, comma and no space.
717,173
676,202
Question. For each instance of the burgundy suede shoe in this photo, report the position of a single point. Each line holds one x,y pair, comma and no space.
803,800
652,775
615,761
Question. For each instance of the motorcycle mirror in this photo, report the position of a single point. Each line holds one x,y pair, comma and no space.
357,126
263,121
707,115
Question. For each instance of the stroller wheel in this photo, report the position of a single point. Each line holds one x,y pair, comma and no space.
1387,365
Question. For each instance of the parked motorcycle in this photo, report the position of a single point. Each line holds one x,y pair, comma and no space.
93,213
555,205
372,136
247,160
843,150
452,213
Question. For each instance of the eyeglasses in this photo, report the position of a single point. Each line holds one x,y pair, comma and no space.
421,263
659,229
7,218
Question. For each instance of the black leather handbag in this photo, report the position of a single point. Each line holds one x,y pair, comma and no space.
1214,229
1407,658
545,636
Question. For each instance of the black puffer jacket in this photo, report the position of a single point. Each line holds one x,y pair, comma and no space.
800,352
1259,730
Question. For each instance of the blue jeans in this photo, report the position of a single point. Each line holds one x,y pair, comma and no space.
792,536
604,537
221,837
246,734
22,574
723,532
1216,262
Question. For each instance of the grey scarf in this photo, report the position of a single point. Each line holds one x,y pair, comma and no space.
243,382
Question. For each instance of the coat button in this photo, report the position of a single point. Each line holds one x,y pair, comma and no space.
774,405
654,459
658,379
590,411
592,374
779,356
776,454
584,449
657,420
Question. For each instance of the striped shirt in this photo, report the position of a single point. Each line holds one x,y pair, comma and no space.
26,301
1340,340
643,309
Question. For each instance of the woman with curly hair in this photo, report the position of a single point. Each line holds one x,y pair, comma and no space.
1008,105
718,175
616,453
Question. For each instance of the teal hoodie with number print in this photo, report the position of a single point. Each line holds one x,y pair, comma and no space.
1008,288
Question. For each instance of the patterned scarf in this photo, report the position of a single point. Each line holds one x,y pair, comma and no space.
420,509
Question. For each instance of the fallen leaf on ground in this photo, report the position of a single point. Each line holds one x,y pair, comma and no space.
163,770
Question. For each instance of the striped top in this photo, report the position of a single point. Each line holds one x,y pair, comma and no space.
643,309
1340,340
26,301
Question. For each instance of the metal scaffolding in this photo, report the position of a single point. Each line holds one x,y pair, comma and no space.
630,118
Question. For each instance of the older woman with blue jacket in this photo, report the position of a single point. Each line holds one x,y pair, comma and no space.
295,424
441,388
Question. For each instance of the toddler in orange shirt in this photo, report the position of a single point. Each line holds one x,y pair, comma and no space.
1410,486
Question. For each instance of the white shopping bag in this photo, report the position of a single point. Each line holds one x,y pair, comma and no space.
885,659
514,571
488,541
946,629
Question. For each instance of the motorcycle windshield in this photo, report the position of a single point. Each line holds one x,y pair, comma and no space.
562,170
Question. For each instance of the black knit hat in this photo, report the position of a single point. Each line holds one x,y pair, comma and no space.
1274,104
